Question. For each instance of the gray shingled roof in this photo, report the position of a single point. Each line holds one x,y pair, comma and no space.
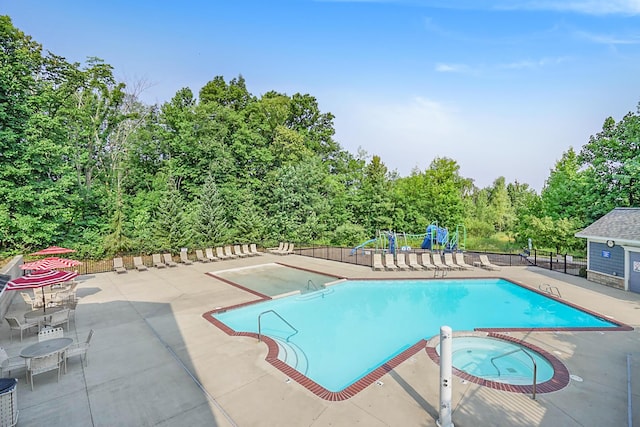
621,224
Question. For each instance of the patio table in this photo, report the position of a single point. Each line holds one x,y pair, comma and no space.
40,314
45,348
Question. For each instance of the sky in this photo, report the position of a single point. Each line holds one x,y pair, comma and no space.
503,87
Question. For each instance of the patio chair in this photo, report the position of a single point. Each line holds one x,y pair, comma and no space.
39,365
50,333
413,262
400,262
16,325
210,255
388,263
459,259
157,261
486,264
238,251
246,251
137,262
80,349
220,254
228,253
35,303
118,266
254,250
279,250
8,364
448,261
426,261
200,256
289,250
437,261
184,258
58,318
168,260
377,263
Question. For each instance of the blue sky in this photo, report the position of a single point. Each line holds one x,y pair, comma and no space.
503,87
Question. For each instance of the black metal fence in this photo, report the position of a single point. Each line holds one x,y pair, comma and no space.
552,261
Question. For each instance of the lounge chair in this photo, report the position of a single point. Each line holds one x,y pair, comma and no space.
16,325
237,251
209,254
486,264
284,249
246,251
289,250
254,250
426,261
448,261
459,259
184,258
437,261
228,252
220,253
377,262
168,260
157,261
388,263
400,262
118,266
200,256
138,264
413,262
278,249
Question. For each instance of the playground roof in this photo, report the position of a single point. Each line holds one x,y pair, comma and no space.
621,225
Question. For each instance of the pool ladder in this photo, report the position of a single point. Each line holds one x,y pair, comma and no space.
281,318
535,367
551,290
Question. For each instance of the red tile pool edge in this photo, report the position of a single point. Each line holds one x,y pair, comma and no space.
559,380
309,384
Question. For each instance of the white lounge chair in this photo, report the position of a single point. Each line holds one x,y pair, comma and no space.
157,261
254,250
118,265
437,261
220,253
278,249
201,257
388,263
138,264
237,251
184,258
208,252
485,263
413,262
426,261
168,260
247,252
400,262
377,262
448,261
459,259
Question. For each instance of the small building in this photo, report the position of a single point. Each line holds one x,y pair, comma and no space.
613,249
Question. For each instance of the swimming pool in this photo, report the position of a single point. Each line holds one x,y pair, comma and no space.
339,335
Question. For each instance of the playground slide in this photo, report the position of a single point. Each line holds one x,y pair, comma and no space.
362,245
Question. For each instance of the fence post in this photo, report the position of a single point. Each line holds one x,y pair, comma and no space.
551,261
565,263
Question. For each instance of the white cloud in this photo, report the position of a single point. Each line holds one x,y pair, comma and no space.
451,68
608,38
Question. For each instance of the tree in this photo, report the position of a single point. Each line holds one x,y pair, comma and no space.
563,195
500,210
210,226
170,227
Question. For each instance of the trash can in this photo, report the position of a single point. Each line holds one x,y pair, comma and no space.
8,402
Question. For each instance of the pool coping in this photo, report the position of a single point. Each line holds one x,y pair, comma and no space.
272,354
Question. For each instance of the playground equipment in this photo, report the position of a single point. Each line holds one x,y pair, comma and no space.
435,238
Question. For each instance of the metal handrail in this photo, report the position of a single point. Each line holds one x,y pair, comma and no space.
281,318
535,366
310,282
549,289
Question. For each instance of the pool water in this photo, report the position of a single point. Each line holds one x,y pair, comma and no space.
498,360
338,335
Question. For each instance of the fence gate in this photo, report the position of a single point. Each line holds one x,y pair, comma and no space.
634,271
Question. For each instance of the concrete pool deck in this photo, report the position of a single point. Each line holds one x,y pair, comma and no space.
155,361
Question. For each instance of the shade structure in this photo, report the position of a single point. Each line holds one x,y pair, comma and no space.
39,279
53,250
50,264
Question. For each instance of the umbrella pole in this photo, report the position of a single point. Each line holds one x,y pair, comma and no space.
44,301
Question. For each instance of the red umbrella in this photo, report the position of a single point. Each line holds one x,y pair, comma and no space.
50,264
53,250
39,279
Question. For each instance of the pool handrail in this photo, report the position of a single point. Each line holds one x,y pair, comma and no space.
545,287
535,366
281,318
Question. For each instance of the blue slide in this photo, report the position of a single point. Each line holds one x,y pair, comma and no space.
440,233
362,245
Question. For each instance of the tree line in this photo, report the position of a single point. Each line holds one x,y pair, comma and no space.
85,163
